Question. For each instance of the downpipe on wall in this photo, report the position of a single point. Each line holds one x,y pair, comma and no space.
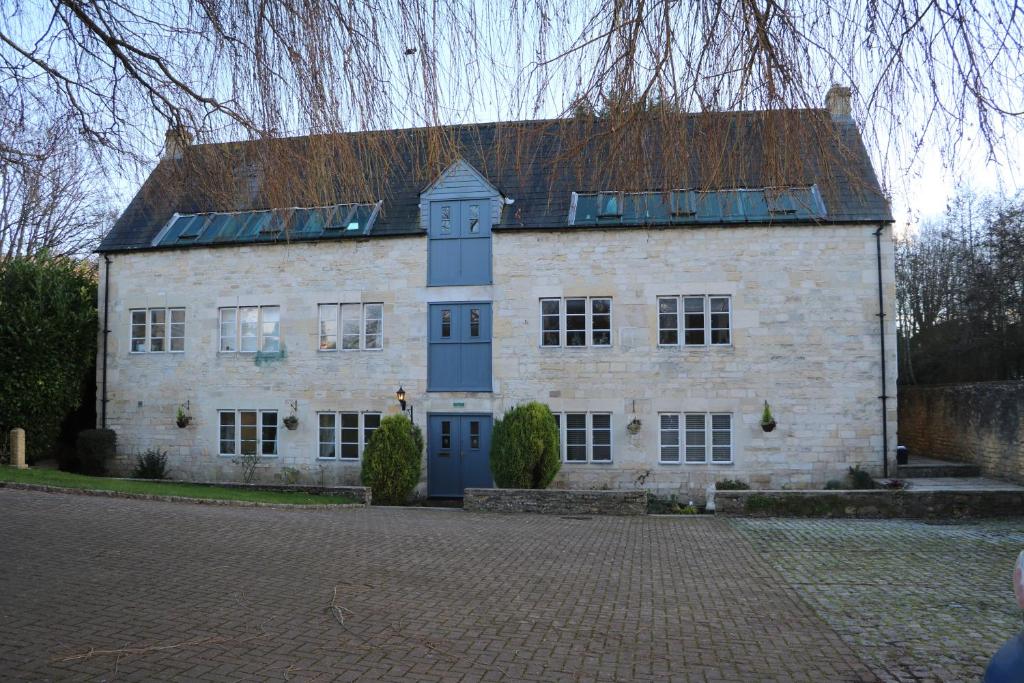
881,342
106,334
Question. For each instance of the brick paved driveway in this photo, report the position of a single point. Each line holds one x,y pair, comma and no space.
424,595
213,593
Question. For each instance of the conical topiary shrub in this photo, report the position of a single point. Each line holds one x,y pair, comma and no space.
524,448
391,461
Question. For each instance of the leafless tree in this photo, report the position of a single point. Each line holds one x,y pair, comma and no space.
960,293
52,196
925,71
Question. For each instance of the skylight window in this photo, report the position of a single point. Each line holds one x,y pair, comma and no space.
609,205
192,226
269,224
730,205
684,203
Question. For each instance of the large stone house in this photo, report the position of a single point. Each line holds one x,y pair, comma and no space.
655,317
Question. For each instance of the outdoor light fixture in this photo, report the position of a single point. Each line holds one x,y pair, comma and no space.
400,395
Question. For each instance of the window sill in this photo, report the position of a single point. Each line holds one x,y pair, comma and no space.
578,348
262,457
344,461
330,351
687,347
588,462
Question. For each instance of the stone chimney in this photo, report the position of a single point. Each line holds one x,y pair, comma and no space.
837,101
176,139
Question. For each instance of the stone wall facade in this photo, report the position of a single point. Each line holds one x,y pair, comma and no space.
804,338
980,423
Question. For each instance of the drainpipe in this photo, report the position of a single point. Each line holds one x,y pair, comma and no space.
881,341
106,334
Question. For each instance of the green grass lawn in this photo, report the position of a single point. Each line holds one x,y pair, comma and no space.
169,488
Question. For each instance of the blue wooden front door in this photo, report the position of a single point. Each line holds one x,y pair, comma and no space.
458,454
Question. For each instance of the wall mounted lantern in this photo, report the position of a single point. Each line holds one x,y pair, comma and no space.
400,395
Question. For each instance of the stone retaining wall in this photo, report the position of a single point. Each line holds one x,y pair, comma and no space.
879,504
361,494
556,502
980,423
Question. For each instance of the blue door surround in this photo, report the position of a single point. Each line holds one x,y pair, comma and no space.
458,453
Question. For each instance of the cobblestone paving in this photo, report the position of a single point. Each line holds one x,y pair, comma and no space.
918,601
195,592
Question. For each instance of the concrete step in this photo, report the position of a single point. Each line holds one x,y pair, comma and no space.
932,469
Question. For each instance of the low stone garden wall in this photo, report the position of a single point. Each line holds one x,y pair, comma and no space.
877,504
556,502
361,494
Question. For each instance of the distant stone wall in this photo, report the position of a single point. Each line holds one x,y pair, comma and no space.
874,504
980,423
556,502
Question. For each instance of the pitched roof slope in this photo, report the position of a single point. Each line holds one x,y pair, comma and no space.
539,164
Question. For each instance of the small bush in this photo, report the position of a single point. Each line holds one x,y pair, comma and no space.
391,462
151,465
290,475
833,485
860,479
247,464
524,448
95,448
732,485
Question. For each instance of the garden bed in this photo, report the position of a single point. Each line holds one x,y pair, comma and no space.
556,502
876,503
263,494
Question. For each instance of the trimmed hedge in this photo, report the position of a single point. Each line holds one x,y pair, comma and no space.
95,448
48,336
391,461
524,448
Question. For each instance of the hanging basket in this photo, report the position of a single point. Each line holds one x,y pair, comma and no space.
634,426
183,421
291,422
768,426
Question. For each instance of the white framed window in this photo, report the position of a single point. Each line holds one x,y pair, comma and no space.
248,432
156,330
695,320
250,329
703,438
668,438
585,437
576,322
361,326
344,435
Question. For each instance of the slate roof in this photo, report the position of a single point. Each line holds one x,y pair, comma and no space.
539,164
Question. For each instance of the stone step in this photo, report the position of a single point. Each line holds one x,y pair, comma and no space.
935,469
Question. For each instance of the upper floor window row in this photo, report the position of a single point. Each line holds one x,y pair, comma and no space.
361,326
155,330
576,321
250,329
694,320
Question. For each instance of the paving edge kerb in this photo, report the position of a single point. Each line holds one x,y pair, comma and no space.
875,504
556,501
173,499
